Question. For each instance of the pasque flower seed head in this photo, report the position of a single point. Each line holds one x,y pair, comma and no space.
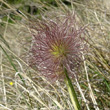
56,44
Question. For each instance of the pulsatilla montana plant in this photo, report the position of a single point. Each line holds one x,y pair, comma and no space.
56,45
56,50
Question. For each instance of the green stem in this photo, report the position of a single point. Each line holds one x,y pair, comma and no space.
71,91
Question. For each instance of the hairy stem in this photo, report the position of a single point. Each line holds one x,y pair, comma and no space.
71,91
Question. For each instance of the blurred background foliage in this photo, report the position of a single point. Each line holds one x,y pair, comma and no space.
31,8
28,7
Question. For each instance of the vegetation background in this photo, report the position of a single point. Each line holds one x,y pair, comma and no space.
22,88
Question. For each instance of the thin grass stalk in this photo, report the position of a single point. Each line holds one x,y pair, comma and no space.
12,64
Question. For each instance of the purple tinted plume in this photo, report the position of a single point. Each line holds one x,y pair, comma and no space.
56,44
